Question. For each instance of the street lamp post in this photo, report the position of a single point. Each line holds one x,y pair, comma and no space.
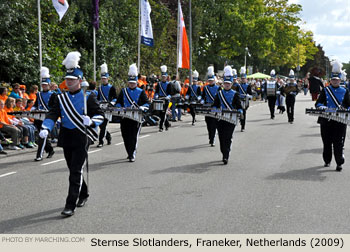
245,58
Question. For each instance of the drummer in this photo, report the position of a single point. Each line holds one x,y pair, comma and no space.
333,132
208,96
194,95
226,99
163,90
244,90
132,96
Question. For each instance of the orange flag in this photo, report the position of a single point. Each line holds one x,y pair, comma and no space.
184,48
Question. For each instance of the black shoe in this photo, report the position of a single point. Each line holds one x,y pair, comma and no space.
272,117
81,202
99,145
339,168
67,212
326,164
192,123
225,161
38,159
160,130
51,154
212,145
109,141
242,130
131,159
3,152
166,128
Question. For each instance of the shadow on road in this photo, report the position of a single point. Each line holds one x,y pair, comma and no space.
92,167
183,149
311,135
311,151
33,219
309,174
193,168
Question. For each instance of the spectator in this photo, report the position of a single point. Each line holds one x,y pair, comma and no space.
32,92
7,127
22,89
18,105
2,138
9,105
3,94
30,104
54,88
16,93
175,99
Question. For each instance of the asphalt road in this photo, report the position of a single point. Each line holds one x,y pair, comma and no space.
274,182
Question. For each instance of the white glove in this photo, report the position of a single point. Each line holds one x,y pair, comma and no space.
156,96
32,108
43,133
187,96
322,107
199,98
113,103
87,120
202,101
143,108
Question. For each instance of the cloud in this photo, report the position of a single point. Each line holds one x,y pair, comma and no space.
329,20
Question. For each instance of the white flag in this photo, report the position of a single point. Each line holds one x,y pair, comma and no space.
61,7
146,25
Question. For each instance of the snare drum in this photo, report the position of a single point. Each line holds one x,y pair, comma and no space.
158,105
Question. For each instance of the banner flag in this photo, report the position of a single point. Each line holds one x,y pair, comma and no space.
184,48
61,7
146,25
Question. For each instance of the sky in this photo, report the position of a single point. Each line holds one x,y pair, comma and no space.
329,20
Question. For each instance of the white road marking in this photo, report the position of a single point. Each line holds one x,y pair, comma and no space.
7,174
94,151
52,162
119,143
144,136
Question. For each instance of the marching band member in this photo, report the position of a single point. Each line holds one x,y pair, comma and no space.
245,92
226,99
208,96
43,102
163,90
131,97
75,142
290,91
193,94
106,93
333,132
271,92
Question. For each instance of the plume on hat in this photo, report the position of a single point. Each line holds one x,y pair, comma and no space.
234,72
44,72
228,71
273,72
336,66
72,60
104,68
163,69
291,72
133,70
210,71
242,71
195,74
343,75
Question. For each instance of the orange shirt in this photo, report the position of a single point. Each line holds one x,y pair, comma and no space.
3,97
4,118
9,110
25,95
32,96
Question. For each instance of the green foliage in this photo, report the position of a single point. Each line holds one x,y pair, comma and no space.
222,29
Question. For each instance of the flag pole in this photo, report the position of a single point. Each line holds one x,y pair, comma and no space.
40,46
94,38
178,39
139,40
190,42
